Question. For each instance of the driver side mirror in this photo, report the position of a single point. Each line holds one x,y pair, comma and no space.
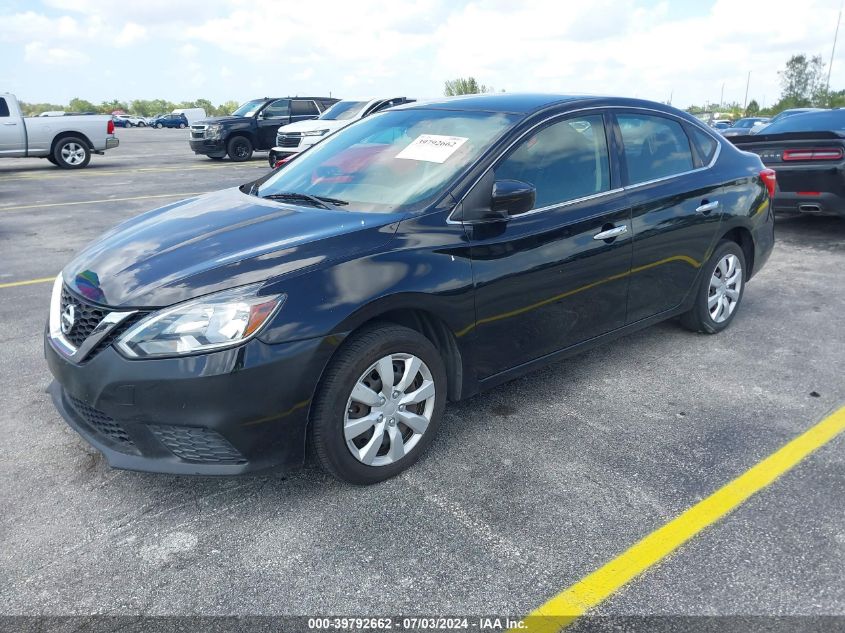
512,197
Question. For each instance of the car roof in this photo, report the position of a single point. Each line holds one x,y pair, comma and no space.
525,104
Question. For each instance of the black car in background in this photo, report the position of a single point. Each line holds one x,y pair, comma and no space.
808,153
418,256
252,126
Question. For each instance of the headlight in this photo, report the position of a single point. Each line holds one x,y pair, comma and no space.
315,133
213,130
216,321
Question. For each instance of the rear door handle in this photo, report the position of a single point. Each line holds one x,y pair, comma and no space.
609,234
10,123
707,207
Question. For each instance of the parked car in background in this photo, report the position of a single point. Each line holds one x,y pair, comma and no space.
192,114
53,113
133,120
808,153
418,256
170,120
721,124
120,121
252,126
299,136
66,141
785,114
744,126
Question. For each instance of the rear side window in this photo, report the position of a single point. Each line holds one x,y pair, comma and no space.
299,108
655,147
276,110
564,161
4,108
705,144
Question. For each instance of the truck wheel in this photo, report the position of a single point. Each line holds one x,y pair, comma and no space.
240,149
72,153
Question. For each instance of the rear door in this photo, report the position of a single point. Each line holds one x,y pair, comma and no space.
676,206
546,280
303,109
12,134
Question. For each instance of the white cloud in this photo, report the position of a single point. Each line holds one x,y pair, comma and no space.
40,53
130,34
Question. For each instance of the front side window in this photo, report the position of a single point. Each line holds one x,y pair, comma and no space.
395,161
278,109
655,147
564,161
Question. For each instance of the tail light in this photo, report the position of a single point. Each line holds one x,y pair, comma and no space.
828,153
110,127
769,178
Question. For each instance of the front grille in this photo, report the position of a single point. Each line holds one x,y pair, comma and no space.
197,131
104,426
288,140
198,445
115,332
86,317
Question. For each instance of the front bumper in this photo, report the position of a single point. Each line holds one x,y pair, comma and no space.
224,413
208,146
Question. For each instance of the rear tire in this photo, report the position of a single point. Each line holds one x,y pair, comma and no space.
159,125
239,149
719,292
340,417
72,153
181,126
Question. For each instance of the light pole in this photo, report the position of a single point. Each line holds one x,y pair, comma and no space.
832,51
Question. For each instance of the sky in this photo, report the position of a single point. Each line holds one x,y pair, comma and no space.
221,50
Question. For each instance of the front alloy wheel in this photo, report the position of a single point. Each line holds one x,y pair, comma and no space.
379,404
389,409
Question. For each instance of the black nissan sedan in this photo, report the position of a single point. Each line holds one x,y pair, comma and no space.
418,256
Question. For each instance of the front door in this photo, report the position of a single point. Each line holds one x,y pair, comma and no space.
12,138
270,119
675,204
548,279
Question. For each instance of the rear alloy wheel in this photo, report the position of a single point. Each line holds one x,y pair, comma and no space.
239,149
720,291
72,153
379,405
181,126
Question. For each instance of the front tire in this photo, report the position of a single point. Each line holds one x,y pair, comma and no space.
159,125
239,149
181,126
379,404
720,290
72,153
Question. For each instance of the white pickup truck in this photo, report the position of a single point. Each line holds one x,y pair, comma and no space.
66,141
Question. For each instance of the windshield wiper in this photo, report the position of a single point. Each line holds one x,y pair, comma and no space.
317,201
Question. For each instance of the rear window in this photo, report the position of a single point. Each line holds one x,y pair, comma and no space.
705,144
830,121
4,108
655,147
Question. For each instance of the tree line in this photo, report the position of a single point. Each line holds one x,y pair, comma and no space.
140,107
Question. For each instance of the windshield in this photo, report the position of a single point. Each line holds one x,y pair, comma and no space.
343,110
391,162
249,108
827,121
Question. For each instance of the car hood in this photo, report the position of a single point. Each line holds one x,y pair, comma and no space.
222,119
214,242
315,124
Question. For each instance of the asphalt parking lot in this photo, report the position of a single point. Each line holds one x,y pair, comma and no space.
527,489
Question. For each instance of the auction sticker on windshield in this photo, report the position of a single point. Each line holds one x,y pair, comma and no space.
433,148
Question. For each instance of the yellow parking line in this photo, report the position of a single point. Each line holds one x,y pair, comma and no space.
28,282
568,605
68,204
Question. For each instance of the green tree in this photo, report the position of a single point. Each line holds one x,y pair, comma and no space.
802,82
753,108
81,105
226,108
465,86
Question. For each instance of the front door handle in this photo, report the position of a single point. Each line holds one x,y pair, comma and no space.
609,234
707,207
10,123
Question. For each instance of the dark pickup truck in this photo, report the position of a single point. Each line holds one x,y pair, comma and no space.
252,126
